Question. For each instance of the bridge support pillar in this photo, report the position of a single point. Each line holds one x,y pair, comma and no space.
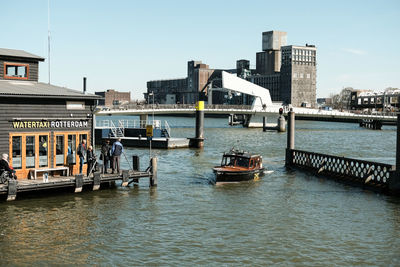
394,183
290,139
143,120
198,141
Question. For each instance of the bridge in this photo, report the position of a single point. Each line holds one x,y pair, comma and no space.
262,106
301,113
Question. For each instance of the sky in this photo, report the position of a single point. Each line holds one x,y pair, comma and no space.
122,44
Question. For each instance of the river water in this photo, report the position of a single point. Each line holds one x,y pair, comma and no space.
286,218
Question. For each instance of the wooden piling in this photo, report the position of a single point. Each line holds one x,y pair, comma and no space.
264,123
153,177
198,141
290,139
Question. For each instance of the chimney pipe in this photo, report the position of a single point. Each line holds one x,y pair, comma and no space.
84,85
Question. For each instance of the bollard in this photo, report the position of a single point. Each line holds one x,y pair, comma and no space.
290,139
198,141
153,177
135,163
281,124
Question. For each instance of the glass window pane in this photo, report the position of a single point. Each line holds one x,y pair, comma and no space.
16,152
59,150
43,149
71,158
21,71
11,71
30,152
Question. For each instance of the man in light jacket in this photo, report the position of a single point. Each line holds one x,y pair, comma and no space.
116,151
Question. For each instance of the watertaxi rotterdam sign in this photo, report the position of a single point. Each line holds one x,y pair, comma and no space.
39,124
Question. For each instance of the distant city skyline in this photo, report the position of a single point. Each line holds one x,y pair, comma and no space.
123,44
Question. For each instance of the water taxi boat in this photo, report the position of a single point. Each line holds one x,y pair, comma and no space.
237,166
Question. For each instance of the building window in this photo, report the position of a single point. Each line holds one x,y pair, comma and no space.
308,75
75,105
16,71
294,75
16,152
301,75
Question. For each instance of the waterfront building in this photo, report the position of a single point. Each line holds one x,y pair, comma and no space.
111,98
288,72
41,125
299,75
378,101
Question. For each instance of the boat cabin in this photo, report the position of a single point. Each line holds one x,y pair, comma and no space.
41,125
242,160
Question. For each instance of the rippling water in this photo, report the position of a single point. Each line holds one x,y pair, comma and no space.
286,218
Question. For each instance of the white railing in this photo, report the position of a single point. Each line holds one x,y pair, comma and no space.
118,131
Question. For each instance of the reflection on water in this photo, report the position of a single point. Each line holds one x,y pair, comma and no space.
287,217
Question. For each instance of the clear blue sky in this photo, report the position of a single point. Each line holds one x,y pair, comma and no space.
122,44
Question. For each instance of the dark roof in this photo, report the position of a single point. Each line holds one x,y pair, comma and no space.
241,154
18,53
14,88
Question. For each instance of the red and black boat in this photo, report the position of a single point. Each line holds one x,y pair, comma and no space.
237,166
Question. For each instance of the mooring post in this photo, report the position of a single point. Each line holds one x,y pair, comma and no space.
264,123
394,183
153,177
281,124
198,141
12,189
290,139
78,183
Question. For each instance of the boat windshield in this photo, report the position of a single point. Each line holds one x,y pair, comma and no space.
242,162
228,161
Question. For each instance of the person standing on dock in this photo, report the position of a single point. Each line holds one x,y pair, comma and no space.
82,154
116,151
91,160
4,166
106,155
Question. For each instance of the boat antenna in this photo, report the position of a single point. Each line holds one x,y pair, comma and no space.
48,35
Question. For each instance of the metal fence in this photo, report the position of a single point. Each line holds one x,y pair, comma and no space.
355,170
183,106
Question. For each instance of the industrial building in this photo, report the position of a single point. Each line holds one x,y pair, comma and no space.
287,71
112,98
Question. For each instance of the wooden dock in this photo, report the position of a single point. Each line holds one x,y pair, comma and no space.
11,188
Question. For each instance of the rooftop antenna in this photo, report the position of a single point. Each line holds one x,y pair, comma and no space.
48,35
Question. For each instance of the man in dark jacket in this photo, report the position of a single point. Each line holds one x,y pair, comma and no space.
82,154
106,155
91,160
116,151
